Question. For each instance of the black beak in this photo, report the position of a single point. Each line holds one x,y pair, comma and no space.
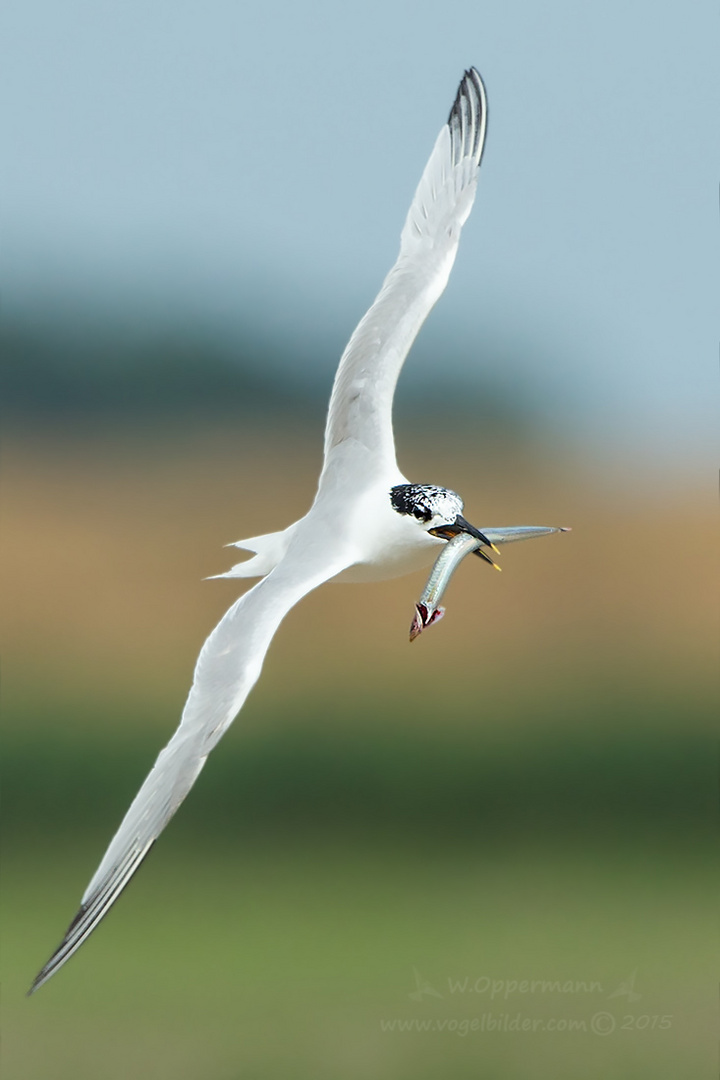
461,525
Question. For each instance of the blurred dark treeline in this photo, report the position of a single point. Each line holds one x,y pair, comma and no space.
57,369
562,780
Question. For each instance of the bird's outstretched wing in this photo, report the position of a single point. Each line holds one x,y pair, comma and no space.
227,669
361,402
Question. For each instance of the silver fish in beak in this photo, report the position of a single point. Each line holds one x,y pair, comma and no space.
427,609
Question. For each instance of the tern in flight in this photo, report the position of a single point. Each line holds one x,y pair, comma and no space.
367,523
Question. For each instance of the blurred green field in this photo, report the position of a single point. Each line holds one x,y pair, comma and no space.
295,959
526,793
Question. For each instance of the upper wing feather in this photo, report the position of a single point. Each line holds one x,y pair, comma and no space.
361,401
227,668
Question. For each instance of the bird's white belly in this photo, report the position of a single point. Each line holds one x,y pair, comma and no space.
397,564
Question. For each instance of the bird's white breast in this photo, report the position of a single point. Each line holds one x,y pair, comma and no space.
388,544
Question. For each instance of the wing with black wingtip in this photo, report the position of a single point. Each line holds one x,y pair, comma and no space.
361,402
228,667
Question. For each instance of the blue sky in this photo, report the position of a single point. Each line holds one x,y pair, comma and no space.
215,163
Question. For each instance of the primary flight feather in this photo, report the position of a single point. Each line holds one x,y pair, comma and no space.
367,521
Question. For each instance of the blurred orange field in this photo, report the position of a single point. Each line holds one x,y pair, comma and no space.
108,537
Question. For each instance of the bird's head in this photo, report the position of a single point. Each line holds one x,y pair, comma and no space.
436,510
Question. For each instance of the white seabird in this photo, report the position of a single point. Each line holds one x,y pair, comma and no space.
368,522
